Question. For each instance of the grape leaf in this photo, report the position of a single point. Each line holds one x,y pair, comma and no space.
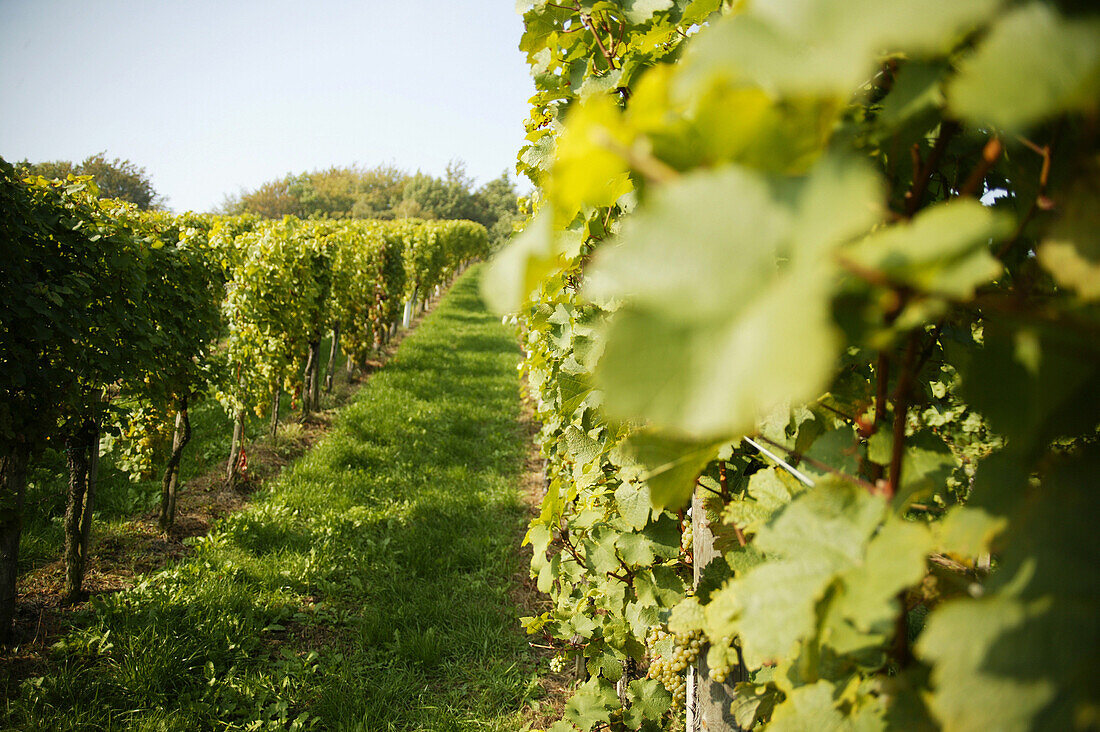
820,534
942,251
516,271
1033,65
649,700
671,465
828,47
895,560
1071,251
696,349
592,703
967,531
1032,642
809,707
640,11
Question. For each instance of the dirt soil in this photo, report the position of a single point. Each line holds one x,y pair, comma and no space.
556,687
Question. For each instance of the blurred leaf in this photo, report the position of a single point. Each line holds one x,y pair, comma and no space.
671,465
1033,65
829,47
943,251
736,318
1071,251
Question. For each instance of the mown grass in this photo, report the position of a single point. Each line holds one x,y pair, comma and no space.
366,589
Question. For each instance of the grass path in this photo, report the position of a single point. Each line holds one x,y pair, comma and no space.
367,589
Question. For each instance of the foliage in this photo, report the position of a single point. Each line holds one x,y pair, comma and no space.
116,178
760,221
383,192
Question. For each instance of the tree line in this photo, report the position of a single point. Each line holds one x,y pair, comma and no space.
382,192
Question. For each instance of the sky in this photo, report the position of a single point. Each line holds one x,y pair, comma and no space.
215,97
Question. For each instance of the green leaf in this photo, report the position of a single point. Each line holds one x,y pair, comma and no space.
828,47
640,11
592,703
735,319
809,708
942,251
1071,251
603,662
895,560
649,700
671,465
769,489
967,532
516,271
820,534
688,616
659,586
1031,381
916,92
1033,65
753,702
636,549
1033,641
633,501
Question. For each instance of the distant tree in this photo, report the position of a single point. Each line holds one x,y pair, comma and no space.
380,191
331,193
59,169
116,178
449,197
272,200
498,205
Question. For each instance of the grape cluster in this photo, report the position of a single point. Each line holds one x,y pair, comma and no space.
557,664
720,674
670,670
687,537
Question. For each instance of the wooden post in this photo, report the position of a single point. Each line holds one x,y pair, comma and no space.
708,702
235,448
334,352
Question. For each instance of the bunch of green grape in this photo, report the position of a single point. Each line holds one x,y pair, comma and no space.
671,655
719,674
687,537
557,664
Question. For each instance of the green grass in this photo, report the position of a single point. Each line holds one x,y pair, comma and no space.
366,589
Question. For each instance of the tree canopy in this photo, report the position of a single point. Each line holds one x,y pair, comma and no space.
116,178
384,192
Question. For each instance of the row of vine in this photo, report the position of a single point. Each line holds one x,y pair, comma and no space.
809,307
116,320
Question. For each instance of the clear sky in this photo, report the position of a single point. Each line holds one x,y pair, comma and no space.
214,96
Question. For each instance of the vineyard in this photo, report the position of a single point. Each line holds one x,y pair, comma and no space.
807,312
117,320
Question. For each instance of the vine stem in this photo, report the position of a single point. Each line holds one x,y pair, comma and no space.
990,153
901,411
1041,201
924,174
587,21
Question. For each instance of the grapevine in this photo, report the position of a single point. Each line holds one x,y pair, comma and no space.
814,269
